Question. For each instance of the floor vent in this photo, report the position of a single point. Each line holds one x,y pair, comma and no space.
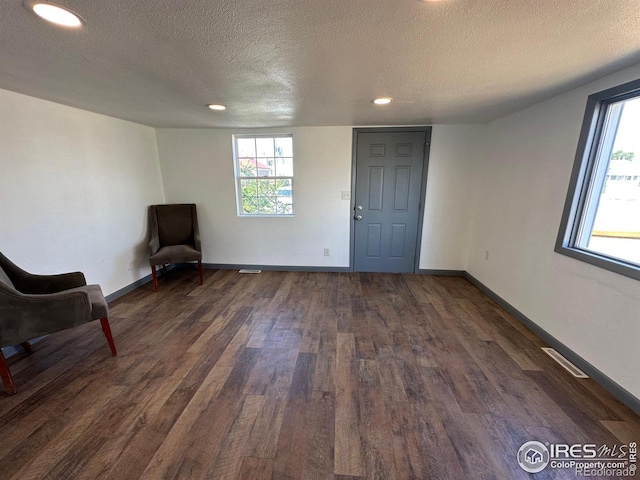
566,364
248,270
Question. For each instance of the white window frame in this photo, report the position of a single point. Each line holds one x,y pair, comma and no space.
587,180
239,178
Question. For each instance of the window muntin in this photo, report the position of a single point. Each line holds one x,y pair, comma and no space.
264,174
601,222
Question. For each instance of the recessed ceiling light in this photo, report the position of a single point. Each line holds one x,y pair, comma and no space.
55,14
382,100
216,107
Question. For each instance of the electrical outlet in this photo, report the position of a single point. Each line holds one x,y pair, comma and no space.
327,252
130,266
345,195
486,254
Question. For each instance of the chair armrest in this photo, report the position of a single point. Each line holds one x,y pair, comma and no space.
48,284
196,241
154,245
29,316
196,229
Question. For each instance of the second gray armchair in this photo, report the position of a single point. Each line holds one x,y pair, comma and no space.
175,237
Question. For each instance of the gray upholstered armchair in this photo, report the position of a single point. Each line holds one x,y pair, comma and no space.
36,305
175,237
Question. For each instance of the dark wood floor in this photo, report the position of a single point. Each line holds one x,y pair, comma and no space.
289,375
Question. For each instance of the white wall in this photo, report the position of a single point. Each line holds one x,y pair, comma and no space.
526,165
451,185
74,190
197,166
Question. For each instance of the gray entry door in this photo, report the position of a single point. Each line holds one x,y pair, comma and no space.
387,200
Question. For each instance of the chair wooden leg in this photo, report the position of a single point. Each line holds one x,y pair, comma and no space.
200,271
26,346
7,380
107,333
155,278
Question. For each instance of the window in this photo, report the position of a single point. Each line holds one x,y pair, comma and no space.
264,174
601,220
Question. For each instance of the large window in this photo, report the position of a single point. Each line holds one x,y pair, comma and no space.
601,221
264,174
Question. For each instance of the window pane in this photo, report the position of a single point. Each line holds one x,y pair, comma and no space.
284,208
266,187
249,205
267,205
264,147
284,167
249,188
247,167
612,218
246,147
263,168
284,147
284,188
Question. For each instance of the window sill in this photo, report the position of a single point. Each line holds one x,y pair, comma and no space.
608,263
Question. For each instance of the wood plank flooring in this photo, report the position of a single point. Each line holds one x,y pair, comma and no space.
289,375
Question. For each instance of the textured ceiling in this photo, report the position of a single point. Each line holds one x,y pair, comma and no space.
320,62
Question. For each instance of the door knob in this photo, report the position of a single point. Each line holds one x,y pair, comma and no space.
359,207
358,217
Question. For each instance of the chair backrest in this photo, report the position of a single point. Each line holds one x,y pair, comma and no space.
176,224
